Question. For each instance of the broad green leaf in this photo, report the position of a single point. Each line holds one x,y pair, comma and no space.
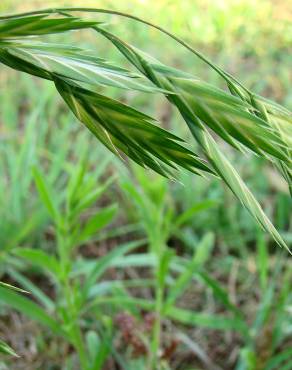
180,284
29,308
210,321
280,359
12,287
204,248
7,350
262,262
107,287
99,348
205,320
36,292
101,219
100,266
40,259
163,263
191,268
45,194
124,301
86,200
220,294
192,211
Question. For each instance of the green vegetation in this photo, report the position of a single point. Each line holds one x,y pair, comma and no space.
120,266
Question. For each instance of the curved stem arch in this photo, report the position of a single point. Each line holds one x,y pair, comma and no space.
226,76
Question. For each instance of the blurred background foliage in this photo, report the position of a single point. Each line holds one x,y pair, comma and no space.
252,40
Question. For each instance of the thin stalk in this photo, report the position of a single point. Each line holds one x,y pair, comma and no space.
64,248
158,247
156,339
77,335
157,325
